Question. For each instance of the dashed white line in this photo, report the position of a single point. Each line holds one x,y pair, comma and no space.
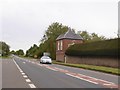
25,76
28,80
23,73
32,85
24,62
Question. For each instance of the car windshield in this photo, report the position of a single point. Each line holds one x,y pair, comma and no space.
46,57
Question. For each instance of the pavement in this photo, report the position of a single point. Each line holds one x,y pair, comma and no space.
24,73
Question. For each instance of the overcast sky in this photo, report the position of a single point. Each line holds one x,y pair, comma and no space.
23,22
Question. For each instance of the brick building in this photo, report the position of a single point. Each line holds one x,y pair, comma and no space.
64,41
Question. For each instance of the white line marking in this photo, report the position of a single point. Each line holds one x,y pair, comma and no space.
33,62
107,84
25,76
40,65
81,78
51,68
32,86
17,65
106,81
28,80
24,62
23,73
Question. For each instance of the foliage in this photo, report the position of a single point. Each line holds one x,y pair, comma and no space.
13,52
87,37
48,42
32,51
53,31
4,48
19,52
100,48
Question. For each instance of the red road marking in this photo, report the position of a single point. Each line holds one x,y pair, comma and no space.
99,81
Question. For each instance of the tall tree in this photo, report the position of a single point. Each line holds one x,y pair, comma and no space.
31,51
4,48
49,39
53,31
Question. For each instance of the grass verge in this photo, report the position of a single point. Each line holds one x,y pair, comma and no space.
110,70
5,57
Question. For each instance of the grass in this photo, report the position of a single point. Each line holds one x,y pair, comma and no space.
110,70
5,57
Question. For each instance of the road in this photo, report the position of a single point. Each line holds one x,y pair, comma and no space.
23,73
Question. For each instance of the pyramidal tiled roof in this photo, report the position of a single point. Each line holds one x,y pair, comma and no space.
69,35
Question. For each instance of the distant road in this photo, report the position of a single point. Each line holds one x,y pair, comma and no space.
21,73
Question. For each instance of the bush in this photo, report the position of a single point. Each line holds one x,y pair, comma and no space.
107,48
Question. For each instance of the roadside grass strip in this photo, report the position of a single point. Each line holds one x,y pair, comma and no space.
30,84
115,71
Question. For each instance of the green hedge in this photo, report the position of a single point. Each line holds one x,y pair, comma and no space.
107,48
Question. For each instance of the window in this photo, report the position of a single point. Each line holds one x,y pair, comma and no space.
58,45
61,45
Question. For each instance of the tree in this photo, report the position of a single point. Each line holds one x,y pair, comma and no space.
4,48
20,52
87,37
53,31
31,51
13,52
48,42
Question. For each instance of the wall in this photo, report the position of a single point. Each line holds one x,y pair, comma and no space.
112,62
66,42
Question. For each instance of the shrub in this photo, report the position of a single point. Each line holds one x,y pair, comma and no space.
106,48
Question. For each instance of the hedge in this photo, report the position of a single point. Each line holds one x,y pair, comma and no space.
106,48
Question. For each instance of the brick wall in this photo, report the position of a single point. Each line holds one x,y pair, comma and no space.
66,43
111,62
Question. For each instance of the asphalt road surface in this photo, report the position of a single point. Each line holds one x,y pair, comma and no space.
23,73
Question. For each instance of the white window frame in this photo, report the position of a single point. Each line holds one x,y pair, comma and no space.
61,45
58,46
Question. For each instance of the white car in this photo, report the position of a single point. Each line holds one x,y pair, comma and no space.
45,59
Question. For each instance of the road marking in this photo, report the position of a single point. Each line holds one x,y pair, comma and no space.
25,76
51,68
24,62
28,80
23,73
106,84
81,78
32,85
17,66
